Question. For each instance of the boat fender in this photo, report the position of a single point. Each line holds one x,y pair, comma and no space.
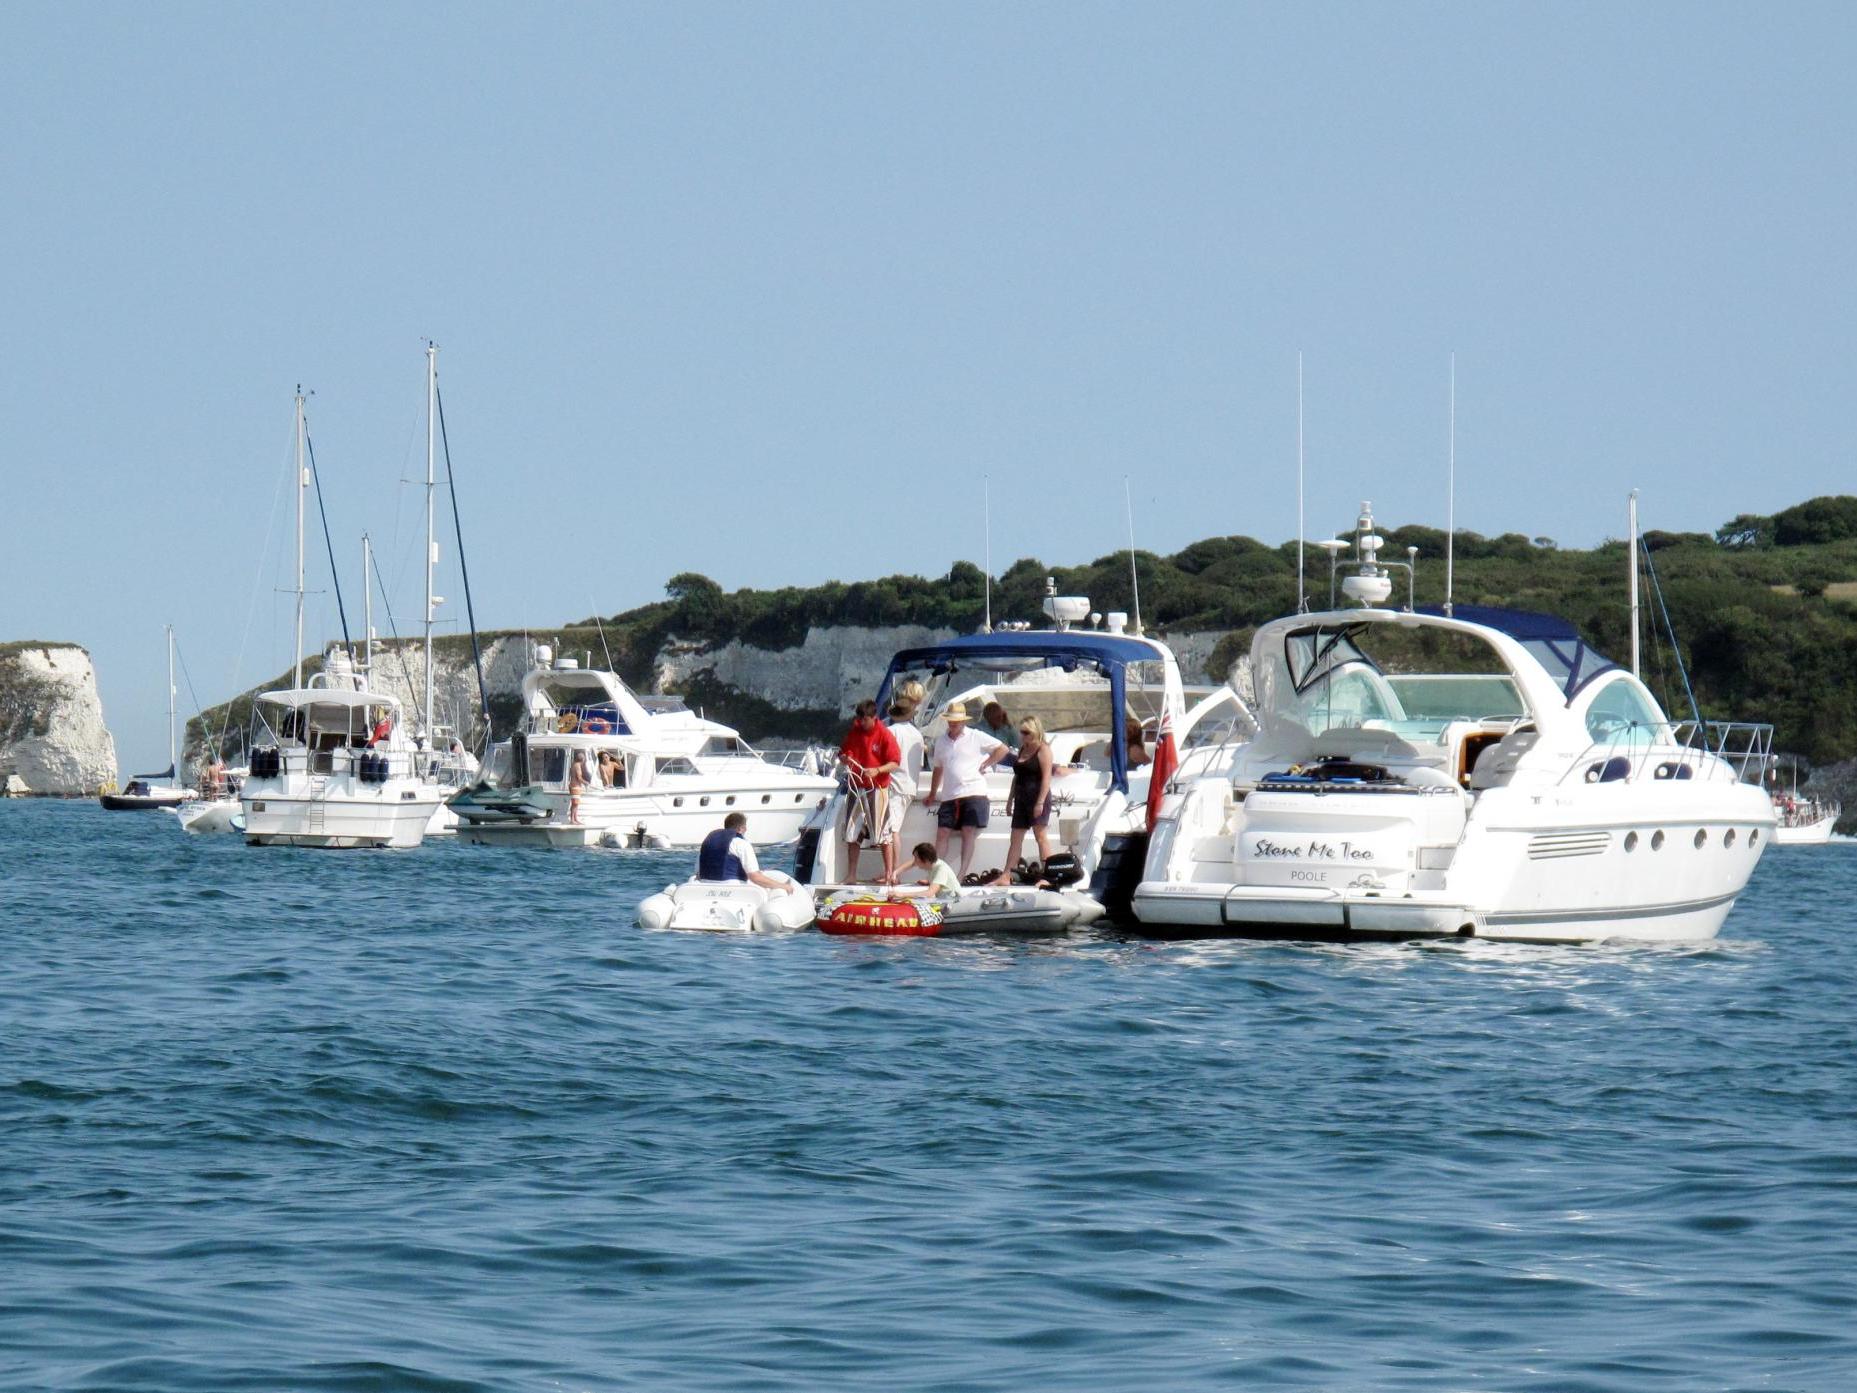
655,912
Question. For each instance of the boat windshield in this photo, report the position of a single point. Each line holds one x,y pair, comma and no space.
1064,702
1413,681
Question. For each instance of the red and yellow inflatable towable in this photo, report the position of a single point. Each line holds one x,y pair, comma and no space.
864,913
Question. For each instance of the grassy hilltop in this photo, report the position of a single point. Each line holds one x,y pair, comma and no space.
1765,608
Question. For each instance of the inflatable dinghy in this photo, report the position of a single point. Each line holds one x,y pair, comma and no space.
727,906
1004,909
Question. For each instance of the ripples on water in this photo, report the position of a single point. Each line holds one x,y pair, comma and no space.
446,1119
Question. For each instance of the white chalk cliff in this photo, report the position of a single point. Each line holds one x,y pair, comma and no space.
52,736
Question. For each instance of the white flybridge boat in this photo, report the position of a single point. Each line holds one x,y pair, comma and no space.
1803,819
339,771
1475,773
651,775
1087,686
342,771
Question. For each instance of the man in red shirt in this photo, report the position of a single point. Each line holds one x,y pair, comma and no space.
870,755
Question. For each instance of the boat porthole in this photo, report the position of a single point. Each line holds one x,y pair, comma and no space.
1657,841
676,802
1728,840
729,802
703,802
1702,838
1631,841
767,798
1753,835
800,798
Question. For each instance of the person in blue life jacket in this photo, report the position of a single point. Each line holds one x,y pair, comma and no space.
726,854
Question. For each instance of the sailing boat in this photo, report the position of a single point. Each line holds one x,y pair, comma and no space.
441,759
148,792
339,770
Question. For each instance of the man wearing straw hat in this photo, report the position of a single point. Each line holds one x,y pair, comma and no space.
870,755
962,758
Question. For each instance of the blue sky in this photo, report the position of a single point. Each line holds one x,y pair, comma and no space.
762,290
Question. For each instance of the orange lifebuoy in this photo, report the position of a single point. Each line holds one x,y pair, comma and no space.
870,914
595,725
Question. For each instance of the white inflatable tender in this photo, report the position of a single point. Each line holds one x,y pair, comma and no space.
727,906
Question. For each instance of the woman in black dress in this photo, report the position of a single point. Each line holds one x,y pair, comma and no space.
1029,802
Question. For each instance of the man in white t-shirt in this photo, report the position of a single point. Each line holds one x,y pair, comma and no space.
958,789
903,777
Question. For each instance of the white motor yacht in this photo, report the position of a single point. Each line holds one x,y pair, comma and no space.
1477,773
667,779
1085,686
1803,820
341,771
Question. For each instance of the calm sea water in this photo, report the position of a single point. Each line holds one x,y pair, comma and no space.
446,1119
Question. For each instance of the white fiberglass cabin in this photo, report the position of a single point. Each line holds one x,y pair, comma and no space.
668,778
327,779
1085,686
1481,774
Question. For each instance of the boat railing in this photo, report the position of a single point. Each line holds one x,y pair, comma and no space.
1726,750
344,759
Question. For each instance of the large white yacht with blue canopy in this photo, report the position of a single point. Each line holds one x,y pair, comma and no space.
1086,686
1481,772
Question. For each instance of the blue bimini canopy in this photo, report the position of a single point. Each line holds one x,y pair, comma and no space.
1549,639
1109,654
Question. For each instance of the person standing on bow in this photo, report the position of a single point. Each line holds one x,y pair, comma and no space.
958,787
870,755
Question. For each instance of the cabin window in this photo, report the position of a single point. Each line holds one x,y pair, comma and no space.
676,764
1622,714
548,765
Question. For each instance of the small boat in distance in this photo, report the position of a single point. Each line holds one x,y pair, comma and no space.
151,792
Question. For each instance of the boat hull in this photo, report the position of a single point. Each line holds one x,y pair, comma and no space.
643,820
337,823
205,818
1523,868
726,907
1013,911
1808,834
142,802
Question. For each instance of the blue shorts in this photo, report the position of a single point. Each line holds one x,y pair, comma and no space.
962,812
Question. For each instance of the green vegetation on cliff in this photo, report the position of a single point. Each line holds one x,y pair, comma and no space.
1765,608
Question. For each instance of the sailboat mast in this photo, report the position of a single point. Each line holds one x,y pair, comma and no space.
431,537
367,605
173,768
296,679
1632,527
